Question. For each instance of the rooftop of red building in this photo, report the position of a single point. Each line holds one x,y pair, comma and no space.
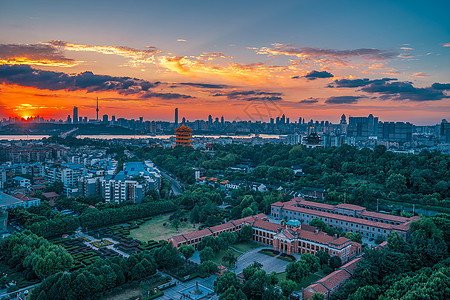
292,205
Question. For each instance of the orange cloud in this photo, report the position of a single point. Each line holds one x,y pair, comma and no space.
136,56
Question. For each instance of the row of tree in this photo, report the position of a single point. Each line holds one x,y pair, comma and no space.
45,222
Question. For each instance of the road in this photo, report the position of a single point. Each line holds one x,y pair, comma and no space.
176,186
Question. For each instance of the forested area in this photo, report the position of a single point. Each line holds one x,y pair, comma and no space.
418,268
101,276
359,175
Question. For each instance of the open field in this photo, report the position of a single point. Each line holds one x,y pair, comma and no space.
155,230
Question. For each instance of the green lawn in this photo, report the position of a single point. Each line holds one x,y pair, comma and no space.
155,229
304,283
246,246
218,257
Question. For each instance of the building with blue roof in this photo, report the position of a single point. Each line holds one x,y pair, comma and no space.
132,183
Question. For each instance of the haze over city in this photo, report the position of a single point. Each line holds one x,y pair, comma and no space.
312,59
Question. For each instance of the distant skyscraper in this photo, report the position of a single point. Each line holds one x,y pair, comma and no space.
113,119
343,120
210,119
176,116
105,118
69,120
97,109
75,115
222,120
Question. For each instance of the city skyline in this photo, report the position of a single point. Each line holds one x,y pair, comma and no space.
300,59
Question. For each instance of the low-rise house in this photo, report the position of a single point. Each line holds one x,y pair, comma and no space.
22,182
16,200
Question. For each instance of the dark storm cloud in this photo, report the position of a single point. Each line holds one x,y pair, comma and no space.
252,95
441,86
26,76
166,96
354,83
390,88
404,90
343,100
204,85
318,74
310,100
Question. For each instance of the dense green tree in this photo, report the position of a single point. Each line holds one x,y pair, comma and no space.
246,232
187,251
206,254
313,262
207,268
396,183
230,258
288,286
323,256
233,294
225,281
296,271
317,296
335,262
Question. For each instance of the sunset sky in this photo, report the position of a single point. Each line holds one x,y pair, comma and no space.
311,59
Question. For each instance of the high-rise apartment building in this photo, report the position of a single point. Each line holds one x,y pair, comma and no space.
75,115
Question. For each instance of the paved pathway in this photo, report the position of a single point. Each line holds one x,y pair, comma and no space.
269,263
174,292
111,247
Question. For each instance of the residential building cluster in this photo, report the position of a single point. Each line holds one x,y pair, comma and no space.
29,167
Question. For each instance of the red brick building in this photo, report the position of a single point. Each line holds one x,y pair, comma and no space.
332,282
289,238
352,218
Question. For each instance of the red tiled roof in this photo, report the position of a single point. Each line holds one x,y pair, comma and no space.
350,207
334,279
372,214
278,204
311,203
221,227
351,265
267,225
323,238
178,238
23,197
50,194
197,234
318,288
339,217
365,213
405,226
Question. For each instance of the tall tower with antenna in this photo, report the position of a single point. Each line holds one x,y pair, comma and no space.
97,109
